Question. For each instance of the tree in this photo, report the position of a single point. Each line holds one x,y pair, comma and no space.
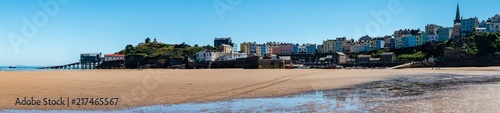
486,43
128,48
377,54
148,40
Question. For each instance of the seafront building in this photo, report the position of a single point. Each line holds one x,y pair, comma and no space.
432,28
339,44
493,24
328,46
444,33
467,26
432,38
114,57
225,48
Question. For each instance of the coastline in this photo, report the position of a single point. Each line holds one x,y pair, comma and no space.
152,87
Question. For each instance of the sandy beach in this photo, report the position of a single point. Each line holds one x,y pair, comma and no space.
166,86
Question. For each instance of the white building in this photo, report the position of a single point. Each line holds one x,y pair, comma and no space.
493,24
200,56
114,57
302,49
328,46
210,56
481,30
398,42
432,38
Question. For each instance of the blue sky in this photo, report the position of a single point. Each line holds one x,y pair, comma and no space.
108,26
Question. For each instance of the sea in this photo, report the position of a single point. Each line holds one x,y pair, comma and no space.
20,68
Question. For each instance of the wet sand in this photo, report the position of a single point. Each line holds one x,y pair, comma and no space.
163,87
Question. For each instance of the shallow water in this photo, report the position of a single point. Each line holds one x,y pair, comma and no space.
315,101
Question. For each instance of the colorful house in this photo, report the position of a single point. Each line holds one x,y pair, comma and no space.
114,57
445,33
311,48
339,44
409,41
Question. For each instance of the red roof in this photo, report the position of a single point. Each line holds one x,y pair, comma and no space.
114,55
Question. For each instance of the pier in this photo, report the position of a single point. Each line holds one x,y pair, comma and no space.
87,61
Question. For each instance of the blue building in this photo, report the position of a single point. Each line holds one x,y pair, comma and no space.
311,48
295,49
364,47
393,43
379,44
263,49
253,48
409,41
467,26
339,44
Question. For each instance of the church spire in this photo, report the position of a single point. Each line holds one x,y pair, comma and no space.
457,17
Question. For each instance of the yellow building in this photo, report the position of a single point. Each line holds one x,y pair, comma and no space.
245,48
225,48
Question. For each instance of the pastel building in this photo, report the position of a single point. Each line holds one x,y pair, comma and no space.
361,46
409,41
211,56
379,44
225,48
419,40
467,26
354,47
311,48
258,50
245,48
398,42
269,49
328,46
339,44
284,49
493,24
263,49
276,50
432,38
253,49
295,49
205,56
301,49
445,33
364,47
